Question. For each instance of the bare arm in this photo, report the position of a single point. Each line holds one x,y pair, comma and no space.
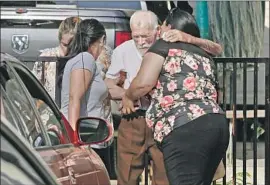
116,92
146,79
76,93
207,45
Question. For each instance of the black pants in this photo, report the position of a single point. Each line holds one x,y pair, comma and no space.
193,151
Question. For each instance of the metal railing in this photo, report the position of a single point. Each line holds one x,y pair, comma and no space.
244,93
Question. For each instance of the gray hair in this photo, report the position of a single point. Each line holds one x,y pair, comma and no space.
144,19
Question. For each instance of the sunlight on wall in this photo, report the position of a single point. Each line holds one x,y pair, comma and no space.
238,26
265,50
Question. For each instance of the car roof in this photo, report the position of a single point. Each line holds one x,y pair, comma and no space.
12,134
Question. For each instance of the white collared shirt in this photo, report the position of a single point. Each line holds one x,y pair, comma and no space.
127,58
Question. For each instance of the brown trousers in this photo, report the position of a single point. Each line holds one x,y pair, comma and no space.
134,139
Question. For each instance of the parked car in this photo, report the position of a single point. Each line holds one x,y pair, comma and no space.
29,108
20,164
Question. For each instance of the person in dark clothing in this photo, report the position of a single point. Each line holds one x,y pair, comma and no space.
184,5
188,125
160,8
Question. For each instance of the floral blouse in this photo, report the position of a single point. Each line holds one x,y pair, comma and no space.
49,70
186,88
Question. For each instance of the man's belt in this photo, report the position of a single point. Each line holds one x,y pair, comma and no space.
134,115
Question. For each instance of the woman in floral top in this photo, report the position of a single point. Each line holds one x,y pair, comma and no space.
188,124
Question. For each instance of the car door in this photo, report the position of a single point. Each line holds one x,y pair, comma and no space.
79,165
13,161
19,163
29,119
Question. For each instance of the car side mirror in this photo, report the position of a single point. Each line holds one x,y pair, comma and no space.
92,130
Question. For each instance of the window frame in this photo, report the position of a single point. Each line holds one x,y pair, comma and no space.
14,113
32,105
49,102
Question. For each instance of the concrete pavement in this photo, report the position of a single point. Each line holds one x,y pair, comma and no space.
239,169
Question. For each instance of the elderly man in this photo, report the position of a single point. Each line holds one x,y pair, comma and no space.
134,137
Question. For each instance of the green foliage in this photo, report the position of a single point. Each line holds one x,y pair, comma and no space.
260,130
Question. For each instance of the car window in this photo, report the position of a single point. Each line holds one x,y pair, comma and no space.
5,109
15,169
53,125
8,111
23,107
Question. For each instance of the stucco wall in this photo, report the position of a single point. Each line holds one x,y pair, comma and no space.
265,49
238,26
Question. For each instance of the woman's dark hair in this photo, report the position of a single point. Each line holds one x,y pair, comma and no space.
88,32
183,21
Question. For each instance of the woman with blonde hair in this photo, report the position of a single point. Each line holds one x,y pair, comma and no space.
66,32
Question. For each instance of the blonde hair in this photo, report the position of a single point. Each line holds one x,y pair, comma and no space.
68,26
144,19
